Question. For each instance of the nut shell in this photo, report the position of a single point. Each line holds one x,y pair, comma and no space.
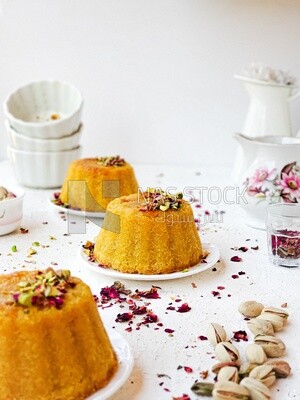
251,308
230,391
276,320
216,333
255,354
229,374
260,327
226,352
281,368
273,346
258,391
264,373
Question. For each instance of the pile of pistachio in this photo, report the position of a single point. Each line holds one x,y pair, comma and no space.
250,380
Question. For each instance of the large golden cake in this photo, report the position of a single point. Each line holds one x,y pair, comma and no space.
92,183
148,233
53,345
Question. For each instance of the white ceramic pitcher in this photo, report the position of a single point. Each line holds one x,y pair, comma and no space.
268,113
270,173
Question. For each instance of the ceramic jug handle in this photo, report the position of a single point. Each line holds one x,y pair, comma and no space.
294,95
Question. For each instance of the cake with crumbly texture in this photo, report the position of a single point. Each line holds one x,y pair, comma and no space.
149,233
53,345
92,183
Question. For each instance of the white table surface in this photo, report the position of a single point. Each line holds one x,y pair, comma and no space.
155,351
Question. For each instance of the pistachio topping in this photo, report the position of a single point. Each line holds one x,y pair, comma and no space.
156,199
216,333
114,161
45,289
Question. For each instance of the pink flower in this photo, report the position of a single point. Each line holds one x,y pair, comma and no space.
261,177
290,184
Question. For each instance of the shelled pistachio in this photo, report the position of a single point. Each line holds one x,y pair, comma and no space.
203,388
264,373
226,351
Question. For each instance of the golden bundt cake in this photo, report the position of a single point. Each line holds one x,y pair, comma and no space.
53,345
92,183
148,233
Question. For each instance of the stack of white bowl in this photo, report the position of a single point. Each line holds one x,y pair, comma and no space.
43,122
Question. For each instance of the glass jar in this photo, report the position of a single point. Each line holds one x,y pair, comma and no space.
283,229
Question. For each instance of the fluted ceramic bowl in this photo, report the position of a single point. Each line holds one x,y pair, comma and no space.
11,211
44,109
22,142
41,170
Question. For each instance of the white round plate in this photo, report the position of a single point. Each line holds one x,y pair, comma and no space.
125,360
71,211
211,259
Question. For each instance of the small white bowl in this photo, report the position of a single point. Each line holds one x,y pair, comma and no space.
44,109
11,211
22,142
41,170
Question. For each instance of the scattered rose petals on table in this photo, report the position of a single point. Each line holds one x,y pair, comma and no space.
236,259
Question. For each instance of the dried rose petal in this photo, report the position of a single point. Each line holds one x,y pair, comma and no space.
201,337
215,293
183,397
242,273
220,287
255,248
240,335
150,318
188,369
124,317
236,259
168,330
183,308
234,276
243,249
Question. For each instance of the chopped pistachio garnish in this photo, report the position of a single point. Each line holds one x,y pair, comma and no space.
14,248
46,288
159,200
88,249
116,161
36,244
31,252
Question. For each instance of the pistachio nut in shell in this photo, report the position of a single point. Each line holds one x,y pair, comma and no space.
216,368
281,368
216,333
246,368
230,391
3,193
260,327
273,346
277,311
258,391
255,354
251,308
226,351
265,374
203,388
229,374
275,320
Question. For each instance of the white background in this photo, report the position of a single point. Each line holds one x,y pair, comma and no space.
156,75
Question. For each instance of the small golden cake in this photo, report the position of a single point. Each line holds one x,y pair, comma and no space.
92,183
53,345
148,233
